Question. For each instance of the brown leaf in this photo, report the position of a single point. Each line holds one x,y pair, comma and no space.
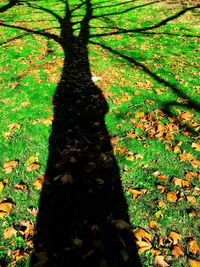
141,234
115,140
174,237
27,229
21,186
67,178
172,196
9,232
186,157
194,263
160,261
32,167
177,250
162,177
193,246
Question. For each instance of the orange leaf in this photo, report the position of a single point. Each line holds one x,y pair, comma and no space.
9,166
172,196
177,251
194,263
9,232
191,199
193,246
143,246
12,126
135,193
175,237
153,224
155,251
160,261
141,234
21,186
32,167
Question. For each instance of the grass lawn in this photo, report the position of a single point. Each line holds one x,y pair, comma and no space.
132,68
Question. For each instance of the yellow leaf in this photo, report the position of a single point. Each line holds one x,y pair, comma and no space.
139,114
160,261
194,263
38,184
162,204
137,92
5,207
135,193
141,234
176,149
130,158
1,186
9,232
12,126
175,237
31,160
78,242
196,146
159,214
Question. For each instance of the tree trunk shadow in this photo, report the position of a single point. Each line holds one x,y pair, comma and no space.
82,219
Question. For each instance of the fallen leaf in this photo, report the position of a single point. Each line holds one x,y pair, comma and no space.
162,177
31,160
21,186
172,196
12,126
194,263
160,261
161,204
174,237
193,246
9,233
1,186
155,251
9,166
38,184
27,229
32,167
159,214
135,193
153,224
141,234
67,178
143,246
191,199
177,250
78,242
196,146
5,208
120,224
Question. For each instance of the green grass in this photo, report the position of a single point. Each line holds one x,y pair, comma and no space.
149,79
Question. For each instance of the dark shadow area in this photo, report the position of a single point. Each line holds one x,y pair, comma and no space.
82,196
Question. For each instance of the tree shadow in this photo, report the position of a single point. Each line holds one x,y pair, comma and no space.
83,218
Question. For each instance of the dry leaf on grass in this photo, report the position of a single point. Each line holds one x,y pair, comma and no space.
9,233
177,250
32,167
5,209
172,196
160,261
194,263
193,246
174,237
141,234
1,186
9,166
153,224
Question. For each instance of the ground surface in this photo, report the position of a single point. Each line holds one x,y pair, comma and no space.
83,159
